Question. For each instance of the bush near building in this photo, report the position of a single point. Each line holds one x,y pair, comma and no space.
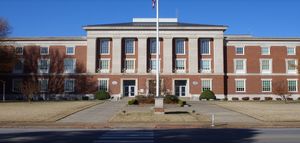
207,94
171,99
102,95
141,99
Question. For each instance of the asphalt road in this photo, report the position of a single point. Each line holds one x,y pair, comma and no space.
282,135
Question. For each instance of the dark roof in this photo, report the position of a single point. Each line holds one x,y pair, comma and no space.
151,24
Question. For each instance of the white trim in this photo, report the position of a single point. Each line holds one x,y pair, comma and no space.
48,63
151,40
149,68
70,53
245,66
130,70
209,46
269,51
136,86
184,46
289,79
73,84
205,71
241,79
180,71
208,79
287,51
103,70
109,46
266,79
187,86
107,83
129,39
74,65
19,54
270,66
291,71
44,53
241,53
39,80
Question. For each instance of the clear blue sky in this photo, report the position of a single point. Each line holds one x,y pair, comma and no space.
276,18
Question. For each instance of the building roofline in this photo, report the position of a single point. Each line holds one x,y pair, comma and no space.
79,38
241,38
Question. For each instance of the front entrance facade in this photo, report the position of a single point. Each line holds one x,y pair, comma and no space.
129,88
181,88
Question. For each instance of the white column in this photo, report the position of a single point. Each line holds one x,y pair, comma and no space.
168,55
218,55
142,55
116,54
193,55
91,55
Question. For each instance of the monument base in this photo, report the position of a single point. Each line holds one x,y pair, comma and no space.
159,105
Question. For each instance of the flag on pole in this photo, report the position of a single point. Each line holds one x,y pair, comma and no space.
153,3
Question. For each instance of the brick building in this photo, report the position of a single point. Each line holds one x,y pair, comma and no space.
120,58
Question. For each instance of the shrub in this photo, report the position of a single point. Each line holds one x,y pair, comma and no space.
181,103
256,98
234,98
85,98
207,94
102,95
289,99
141,99
171,99
278,99
245,98
268,98
298,98
133,102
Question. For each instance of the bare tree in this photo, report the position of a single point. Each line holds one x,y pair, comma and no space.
281,89
4,28
30,88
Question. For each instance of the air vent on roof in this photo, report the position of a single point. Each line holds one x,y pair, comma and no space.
154,20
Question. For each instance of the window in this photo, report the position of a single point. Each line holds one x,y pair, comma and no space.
240,65
69,85
43,85
205,66
44,50
43,65
265,50
291,66
19,66
153,65
104,46
70,65
291,51
266,66
292,85
180,65
104,65
17,85
266,85
70,50
180,46
129,46
206,84
129,66
152,46
239,50
19,50
103,84
240,85
205,46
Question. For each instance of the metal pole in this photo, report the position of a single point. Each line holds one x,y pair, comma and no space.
3,98
213,120
157,49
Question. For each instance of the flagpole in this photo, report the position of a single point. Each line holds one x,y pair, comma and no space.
157,49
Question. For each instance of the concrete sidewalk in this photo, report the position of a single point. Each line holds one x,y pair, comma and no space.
97,114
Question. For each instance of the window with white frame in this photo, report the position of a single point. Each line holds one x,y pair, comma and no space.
19,50
129,46
292,85
205,46
239,50
180,46
240,85
291,66
265,50
104,65
43,65
266,65
129,65
17,85
44,50
291,50
19,66
180,65
69,85
240,65
153,65
70,50
69,65
104,46
266,85
103,84
152,46
43,85
205,65
206,84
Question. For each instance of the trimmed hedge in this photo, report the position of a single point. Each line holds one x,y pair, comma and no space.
245,98
207,94
181,103
133,102
234,98
256,98
102,95
171,99
268,98
141,99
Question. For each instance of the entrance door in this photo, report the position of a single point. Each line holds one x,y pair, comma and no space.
180,88
129,88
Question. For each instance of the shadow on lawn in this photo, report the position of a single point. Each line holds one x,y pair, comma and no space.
160,136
